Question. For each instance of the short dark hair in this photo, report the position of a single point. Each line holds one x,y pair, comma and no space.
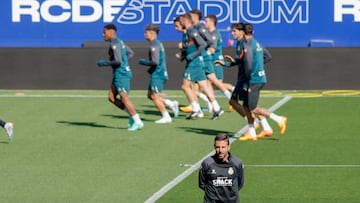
249,29
213,18
238,26
153,27
197,12
186,16
177,19
222,137
110,27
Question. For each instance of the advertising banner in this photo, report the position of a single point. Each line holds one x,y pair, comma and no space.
278,23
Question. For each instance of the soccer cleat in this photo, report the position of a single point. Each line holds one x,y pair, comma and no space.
195,114
231,108
282,125
175,109
130,122
164,120
9,127
265,133
217,114
136,126
186,109
247,138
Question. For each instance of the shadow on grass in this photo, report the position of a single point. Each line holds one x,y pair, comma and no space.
4,142
123,117
86,124
203,131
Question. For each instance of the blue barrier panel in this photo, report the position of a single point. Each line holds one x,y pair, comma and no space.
278,23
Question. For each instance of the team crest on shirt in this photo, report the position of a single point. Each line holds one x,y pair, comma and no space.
213,171
195,34
114,47
203,30
153,49
231,171
214,38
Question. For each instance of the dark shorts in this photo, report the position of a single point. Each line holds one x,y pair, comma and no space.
156,85
239,93
253,96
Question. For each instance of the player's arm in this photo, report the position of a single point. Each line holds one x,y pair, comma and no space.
201,45
267,56
129,52
154,58
210,42
241,176
117,57
248,61
202,178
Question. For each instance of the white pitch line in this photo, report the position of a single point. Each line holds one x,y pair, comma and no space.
195,166
300,166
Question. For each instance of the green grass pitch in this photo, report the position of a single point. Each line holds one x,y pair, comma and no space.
71,148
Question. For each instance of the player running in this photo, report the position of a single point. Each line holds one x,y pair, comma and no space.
217,77
255,78
238,93
193,45
159,75
9,128
119,54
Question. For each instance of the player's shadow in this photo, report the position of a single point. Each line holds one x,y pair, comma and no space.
4,142
121,117
203,131
85,124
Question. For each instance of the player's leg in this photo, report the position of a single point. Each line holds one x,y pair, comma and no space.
123,87
112,97
154,94
257,110
9,128
186,87
250,103
280,120
206,89
219,85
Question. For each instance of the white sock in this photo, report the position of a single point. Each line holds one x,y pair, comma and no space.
203,97
265,124
232,88
245,117
165,114
136,118
276,118
215,105
169,103
195,106
227,94
252,131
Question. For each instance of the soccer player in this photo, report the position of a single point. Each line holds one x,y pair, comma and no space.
238,92
255,78
9,128
207,54
158,72
119,54
193,45
221,176
210,24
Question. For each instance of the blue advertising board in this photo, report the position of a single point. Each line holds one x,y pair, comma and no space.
278,23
